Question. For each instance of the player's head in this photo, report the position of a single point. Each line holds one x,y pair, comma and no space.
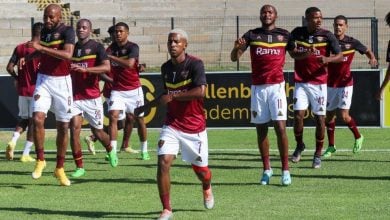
268,15
36,29
177,42
52,16
83,29
340,25
121,32
313,18
387,19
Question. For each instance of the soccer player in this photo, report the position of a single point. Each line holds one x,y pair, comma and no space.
184,129
387,77
268,46
53,88
126,91
25,83
89,61
340,85
313,46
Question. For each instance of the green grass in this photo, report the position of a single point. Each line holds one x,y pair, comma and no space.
346,187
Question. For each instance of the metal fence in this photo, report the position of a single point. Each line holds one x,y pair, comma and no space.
212,38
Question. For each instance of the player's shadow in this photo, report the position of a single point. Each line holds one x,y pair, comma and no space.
84,214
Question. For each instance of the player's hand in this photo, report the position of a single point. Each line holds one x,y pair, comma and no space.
322,59
21,63
373,63
139,110
379,95
164,99
239,43
35,45
78,68
141,67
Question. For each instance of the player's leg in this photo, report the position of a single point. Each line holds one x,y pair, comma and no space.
330,123
350,122
29,143
127,124
19,129
143,134
39,138
62,143
164,184
282,141
75,130
319,135
263,145
301,103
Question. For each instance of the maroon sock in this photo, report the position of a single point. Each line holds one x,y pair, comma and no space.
319,145
60,161
78,159
352,126
284,160
204,175
40,154
266,163
330,130
166,201
299,139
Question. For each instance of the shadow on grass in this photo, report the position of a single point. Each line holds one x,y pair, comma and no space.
341,177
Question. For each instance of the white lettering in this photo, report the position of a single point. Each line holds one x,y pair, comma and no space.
267,51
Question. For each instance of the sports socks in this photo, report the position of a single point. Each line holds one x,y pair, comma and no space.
144,146
78,159
27,148
330,131
352,126
15,137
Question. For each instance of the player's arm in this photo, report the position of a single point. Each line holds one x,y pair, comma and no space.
104,67
104,77
238,49
300,55
337,58
65,54
11,65
371,58
124,62
379,94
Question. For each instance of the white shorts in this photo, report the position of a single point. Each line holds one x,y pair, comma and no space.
25,107
268,102
122,113
339,98
127,100
315,95
91,110
54,93
194,147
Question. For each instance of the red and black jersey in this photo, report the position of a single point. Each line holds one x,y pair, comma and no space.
186,116
27,76
310,70
56,39
339,74
388,53
267,50
90,54
125,78
107,86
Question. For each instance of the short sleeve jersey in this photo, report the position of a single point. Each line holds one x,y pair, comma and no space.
339,74
388,53
56,39
309,70
267,51
186,116
125,78
90,54
27,76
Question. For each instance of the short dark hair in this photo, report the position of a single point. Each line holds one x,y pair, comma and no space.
340,17
122,24
36,29
311,10
269,6
85,20
387,18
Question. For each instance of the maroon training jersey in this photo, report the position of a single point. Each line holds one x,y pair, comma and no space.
107,86
27,76
125,78
90,54
186,116
310,70
267,50
56,39
339,74
388,53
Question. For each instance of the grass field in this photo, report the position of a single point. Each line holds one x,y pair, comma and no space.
346,187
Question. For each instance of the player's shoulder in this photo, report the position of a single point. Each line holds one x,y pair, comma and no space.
281,30
194,59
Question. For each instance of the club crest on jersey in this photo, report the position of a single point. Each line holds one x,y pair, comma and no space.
185,73
56,36
254,113
320,39
348,46
87,51
123,51
280,37
311,40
